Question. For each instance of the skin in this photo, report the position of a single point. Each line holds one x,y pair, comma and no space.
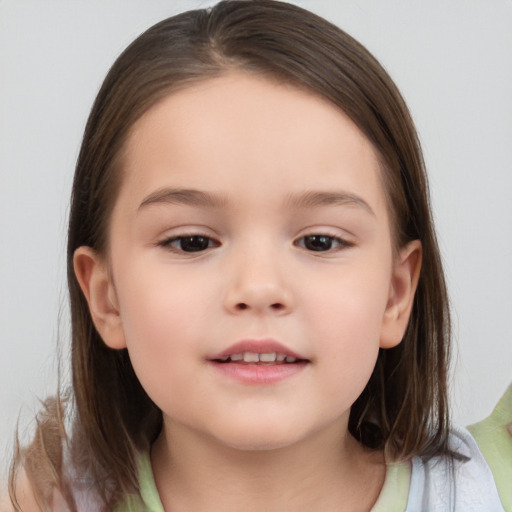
259,148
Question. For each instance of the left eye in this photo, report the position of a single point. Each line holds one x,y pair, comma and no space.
189,243
321,243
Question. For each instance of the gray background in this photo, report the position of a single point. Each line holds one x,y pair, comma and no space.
452,61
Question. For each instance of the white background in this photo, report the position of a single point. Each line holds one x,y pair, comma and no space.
453,63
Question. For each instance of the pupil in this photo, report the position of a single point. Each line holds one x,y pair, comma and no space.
318,243
194,243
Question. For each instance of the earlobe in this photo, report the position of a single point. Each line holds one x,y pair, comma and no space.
92,274
404,281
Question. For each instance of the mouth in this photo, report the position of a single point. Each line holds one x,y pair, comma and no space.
258,362
265,358
264,352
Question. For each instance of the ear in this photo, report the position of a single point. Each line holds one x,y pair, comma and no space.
94,278
404,281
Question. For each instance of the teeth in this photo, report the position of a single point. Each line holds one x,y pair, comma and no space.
250,357
253,357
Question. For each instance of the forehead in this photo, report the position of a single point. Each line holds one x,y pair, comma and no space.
247,135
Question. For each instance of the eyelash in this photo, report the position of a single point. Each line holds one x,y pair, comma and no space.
303,242
321,238
168,243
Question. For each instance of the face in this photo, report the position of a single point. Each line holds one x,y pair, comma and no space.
251,225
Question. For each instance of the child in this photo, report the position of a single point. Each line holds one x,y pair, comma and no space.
258,307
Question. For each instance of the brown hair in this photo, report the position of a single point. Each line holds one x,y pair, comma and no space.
403,408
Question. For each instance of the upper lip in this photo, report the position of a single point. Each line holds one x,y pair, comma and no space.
263,346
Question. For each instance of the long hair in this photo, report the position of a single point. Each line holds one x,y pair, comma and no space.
403,409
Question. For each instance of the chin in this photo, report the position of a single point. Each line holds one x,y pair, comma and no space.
259,437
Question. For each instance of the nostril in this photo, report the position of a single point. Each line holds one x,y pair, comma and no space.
276,306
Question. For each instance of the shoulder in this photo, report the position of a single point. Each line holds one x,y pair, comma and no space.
36,489
451,484
26,497
24,494
27,501
494,438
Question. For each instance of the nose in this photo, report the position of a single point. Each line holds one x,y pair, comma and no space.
257,284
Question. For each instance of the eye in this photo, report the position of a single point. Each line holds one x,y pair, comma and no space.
322,243
189,243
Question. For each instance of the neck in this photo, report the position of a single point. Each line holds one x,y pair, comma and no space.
327,471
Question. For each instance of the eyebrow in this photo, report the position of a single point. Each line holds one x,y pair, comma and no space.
312,199
199,198
184,196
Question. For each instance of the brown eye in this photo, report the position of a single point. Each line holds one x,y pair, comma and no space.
318,242
321,243
189,243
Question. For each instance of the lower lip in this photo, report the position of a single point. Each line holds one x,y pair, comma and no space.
259,373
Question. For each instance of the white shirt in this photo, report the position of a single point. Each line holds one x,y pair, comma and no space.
439,485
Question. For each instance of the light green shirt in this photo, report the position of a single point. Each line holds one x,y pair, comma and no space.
494,438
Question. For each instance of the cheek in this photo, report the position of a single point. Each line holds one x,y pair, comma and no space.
345,323
160,304
163,322
349,304
349,341
152,313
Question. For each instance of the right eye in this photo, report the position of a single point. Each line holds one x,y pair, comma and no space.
189,243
